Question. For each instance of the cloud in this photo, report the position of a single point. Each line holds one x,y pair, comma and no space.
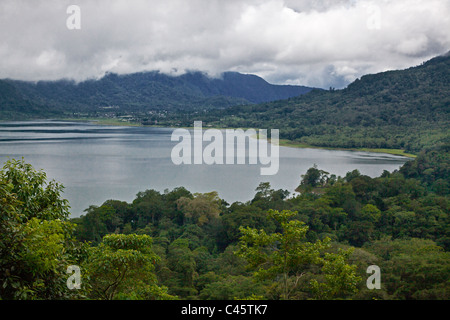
316,43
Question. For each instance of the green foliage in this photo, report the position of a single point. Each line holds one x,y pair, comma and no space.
340,279
14,106
413,268
313,178
202,208
175,244
37,197
196,254
288,257
123,266
181,262
404,109
36,243
431,168
232,287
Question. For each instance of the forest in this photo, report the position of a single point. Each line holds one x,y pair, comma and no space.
176,245
401,109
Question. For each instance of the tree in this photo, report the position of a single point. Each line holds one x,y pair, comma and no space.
339,278
92,226
122,267
231,287
413,268
242,215
182,264
37,197
148,207
313,178
267,198
202,208
284,255
370,213
36,244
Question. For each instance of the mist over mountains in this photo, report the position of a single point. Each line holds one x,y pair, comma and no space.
399,109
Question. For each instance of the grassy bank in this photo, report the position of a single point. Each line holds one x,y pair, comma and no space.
104,121
396,152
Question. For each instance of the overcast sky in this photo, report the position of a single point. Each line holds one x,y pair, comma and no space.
314,43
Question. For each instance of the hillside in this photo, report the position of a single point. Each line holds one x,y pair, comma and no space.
140,92
15,107
403,109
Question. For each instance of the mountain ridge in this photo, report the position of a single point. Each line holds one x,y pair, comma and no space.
143,91
400,109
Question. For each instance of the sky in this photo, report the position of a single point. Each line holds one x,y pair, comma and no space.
313,43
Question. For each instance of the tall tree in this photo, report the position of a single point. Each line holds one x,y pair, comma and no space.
283,256
122,266
36,244
202,208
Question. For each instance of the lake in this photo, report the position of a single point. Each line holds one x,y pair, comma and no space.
96,163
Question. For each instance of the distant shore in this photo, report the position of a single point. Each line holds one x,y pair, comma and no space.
395,152
283,142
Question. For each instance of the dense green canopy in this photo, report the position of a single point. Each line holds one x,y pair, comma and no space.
176,245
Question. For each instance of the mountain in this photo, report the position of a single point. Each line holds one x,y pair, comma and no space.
144,91
14,106
249,87
402,109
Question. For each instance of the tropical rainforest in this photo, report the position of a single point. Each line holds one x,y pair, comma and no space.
317,244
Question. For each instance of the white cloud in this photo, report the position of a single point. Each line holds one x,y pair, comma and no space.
316,43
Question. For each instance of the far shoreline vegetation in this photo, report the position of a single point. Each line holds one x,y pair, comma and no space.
283,142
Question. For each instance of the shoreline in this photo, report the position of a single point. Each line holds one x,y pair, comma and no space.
282,142
394,152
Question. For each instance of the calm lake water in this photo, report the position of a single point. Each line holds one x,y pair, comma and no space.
96,163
